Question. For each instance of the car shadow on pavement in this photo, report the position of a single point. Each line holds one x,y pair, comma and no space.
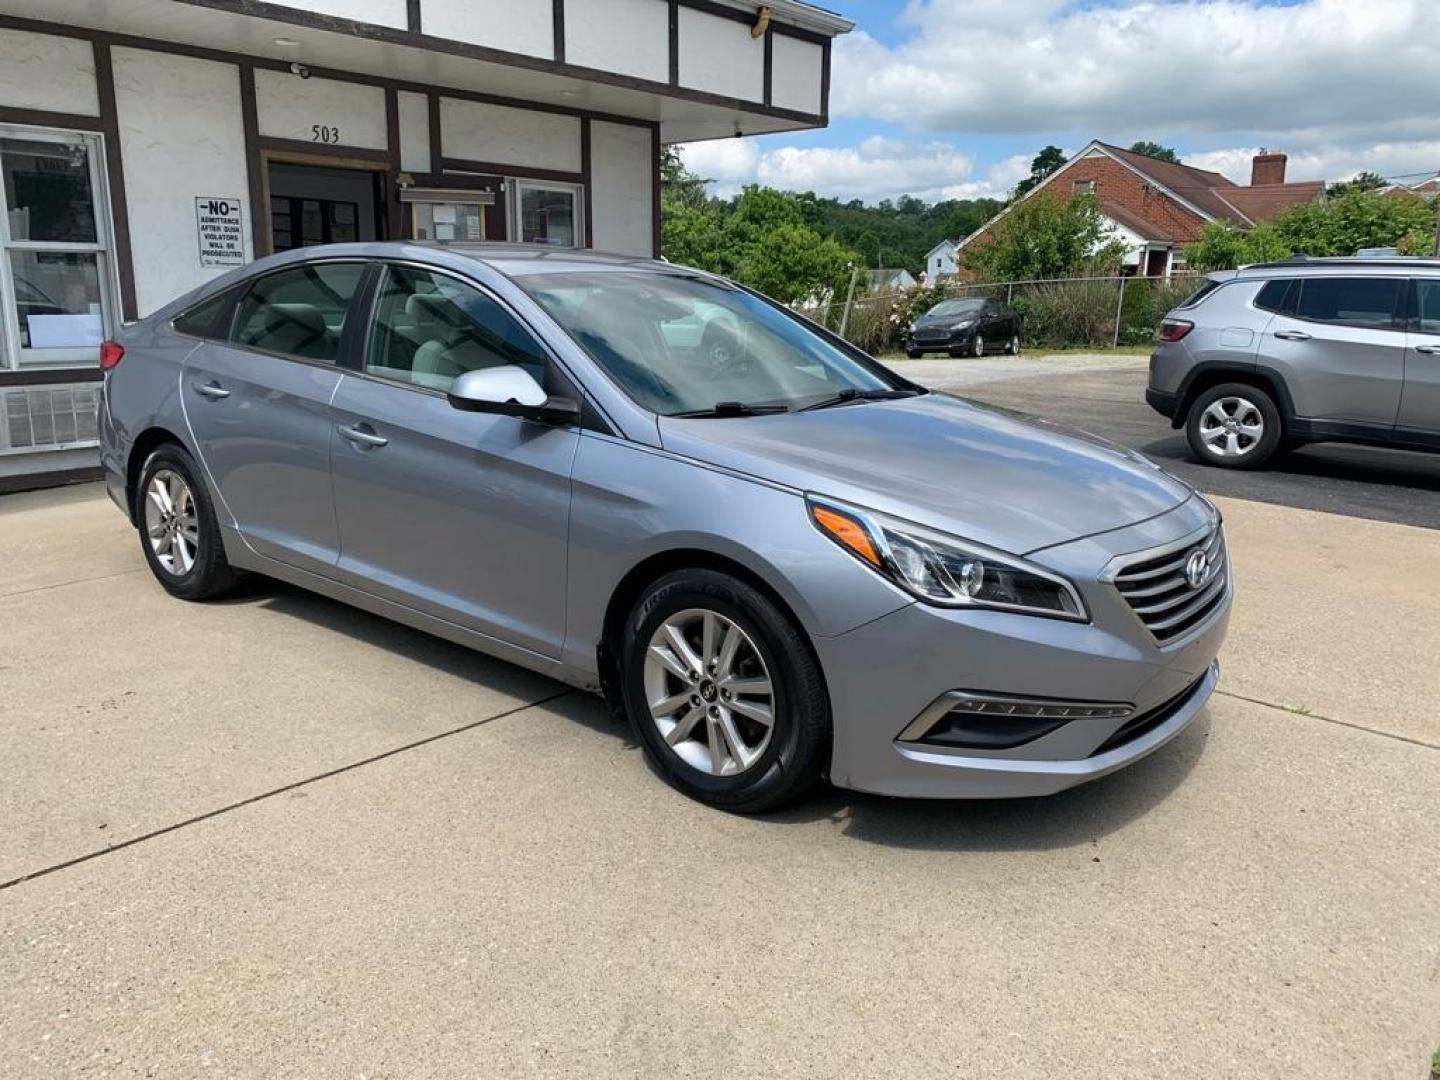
1074,818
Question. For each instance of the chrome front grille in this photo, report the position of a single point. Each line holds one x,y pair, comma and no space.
1160,591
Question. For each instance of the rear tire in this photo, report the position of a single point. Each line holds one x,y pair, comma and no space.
767,670
914,354
1012,347
1234,426
179,534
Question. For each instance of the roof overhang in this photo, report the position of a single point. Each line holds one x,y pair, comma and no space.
341,48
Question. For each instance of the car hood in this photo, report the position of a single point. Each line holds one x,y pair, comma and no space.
989,475
932,321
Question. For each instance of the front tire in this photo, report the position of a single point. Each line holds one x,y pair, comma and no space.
179,535
977,347
1234,426
1012,347
723,692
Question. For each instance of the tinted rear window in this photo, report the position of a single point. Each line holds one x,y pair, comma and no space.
1357,301
1277,295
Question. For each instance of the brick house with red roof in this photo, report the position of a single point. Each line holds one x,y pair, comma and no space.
1156,207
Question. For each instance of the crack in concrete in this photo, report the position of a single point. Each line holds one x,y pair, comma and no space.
1331,720
176,826
67,584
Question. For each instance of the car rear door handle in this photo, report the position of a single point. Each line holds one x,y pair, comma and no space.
363,435
1428,350
213,390
1292,335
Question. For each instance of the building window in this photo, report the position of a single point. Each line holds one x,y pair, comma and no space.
1082,187
56,260
548,214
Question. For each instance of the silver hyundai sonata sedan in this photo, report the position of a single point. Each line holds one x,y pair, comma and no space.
781,559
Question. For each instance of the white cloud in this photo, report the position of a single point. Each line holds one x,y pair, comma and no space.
1317,70
876,168
1415,160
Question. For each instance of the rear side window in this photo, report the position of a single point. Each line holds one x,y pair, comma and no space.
299,312
1427,302
1359,301
1278,295
1200,294
207,318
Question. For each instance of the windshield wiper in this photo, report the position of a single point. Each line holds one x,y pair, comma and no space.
723,409
849,394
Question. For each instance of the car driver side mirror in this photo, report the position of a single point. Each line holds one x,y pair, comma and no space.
510,390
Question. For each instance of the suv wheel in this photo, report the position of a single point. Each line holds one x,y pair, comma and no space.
723,692
1234,426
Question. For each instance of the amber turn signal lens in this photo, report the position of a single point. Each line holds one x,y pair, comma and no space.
846,531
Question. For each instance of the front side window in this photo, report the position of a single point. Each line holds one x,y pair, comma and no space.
299,312
679,344
1359,301
431,328
1427,299
54,265
548,214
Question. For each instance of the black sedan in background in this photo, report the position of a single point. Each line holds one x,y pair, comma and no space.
965,327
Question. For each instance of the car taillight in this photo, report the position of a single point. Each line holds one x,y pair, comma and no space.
111,353
1175,329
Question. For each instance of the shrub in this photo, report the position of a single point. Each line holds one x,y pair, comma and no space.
1137,312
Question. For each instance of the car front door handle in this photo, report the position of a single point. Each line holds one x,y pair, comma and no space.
363,435
1292,335
1428,350
213,390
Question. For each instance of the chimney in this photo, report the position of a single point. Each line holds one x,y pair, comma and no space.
1268,168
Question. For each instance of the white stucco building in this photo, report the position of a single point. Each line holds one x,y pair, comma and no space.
147,145
940,260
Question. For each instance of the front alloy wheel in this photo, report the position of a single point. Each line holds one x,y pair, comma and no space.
709,692
723,691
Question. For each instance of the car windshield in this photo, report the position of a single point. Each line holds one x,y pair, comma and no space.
679,344
948,308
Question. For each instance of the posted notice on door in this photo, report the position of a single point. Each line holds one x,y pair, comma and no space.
222,241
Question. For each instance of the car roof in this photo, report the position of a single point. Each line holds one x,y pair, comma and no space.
1348,265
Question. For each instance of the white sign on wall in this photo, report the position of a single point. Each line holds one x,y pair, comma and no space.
222,240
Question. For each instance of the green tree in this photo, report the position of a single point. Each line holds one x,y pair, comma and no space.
1365,181
1041,166
1046,237
1340,225
1155,150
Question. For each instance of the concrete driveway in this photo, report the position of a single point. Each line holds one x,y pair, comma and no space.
277,837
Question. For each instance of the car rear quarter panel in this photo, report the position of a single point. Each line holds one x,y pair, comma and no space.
631,503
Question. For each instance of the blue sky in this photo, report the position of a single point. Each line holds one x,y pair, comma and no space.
952,97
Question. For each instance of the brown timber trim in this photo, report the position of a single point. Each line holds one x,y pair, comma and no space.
769,90
655,188
264,9
359,156
42,118
397,220
519,172
587,180
254,166
558,13
825,84
437,150
412,16
12,22
115,178
48,376
674,16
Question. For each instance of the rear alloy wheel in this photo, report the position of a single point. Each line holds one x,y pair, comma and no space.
1012,347
178,533
977,347
1234,426
914,354
723,692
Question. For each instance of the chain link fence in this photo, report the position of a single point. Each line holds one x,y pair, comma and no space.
1055,313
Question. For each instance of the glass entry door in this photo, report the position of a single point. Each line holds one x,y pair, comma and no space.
55,271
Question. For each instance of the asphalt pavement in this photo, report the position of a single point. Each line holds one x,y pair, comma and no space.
1105,395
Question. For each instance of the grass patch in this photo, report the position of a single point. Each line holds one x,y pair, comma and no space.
1435,1065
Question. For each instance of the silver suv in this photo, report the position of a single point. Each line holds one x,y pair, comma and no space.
1272,356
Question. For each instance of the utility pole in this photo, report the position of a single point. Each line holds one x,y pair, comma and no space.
849,298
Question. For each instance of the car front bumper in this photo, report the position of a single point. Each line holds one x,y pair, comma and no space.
884,675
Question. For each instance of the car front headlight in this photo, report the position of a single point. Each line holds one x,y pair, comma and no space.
945,570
